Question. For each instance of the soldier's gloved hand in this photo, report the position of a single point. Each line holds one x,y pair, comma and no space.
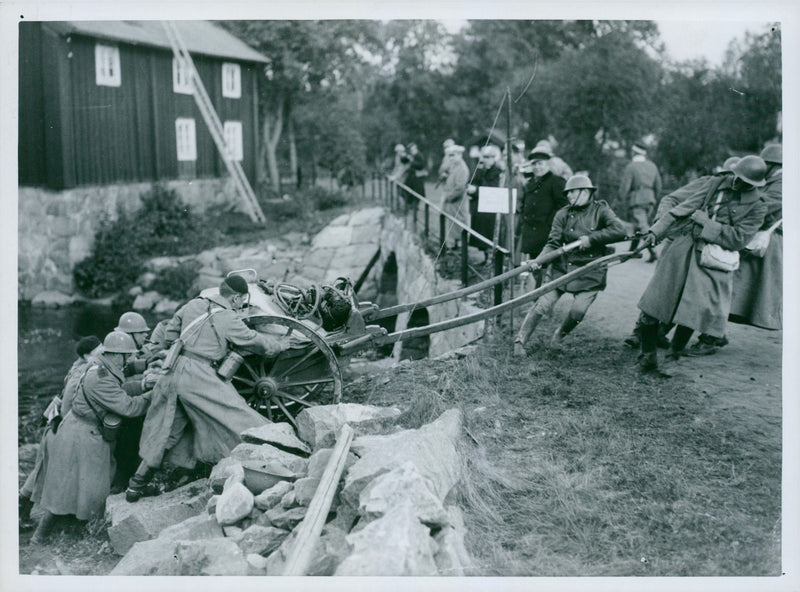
150,379
585,242
647,240
700,217
534,265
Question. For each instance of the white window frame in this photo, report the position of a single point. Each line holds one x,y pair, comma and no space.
181,77
233,139
231,80
185,139
106,65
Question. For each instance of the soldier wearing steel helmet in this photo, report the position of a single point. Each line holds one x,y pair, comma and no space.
81,462
595,224
722,210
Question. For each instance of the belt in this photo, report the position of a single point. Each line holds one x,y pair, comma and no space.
199,358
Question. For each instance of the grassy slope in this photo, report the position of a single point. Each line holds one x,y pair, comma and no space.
579,467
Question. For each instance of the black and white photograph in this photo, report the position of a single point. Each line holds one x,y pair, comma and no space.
400,296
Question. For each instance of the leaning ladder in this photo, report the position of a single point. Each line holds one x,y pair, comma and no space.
213,123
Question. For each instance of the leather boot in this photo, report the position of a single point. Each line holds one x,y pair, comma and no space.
43,530
528,326
139,487
653,256
566,327
25,506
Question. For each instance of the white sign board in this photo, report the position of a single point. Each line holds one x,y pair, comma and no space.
495,199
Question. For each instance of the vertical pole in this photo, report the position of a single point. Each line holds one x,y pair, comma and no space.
442,236
510,204
427,222
498,269
464,257
415,205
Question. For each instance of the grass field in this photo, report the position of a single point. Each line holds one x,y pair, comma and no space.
579,467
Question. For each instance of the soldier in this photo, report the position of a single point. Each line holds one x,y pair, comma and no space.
595,224
715,210
639,189
78,474
195,414
87,350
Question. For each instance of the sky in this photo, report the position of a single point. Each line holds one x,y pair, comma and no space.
686,40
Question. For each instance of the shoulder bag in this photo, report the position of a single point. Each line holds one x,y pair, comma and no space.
713,256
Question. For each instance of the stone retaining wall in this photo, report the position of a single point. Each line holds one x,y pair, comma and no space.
56,228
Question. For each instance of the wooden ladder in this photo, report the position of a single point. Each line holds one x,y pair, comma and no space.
213,123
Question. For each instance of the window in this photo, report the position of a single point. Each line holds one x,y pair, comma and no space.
106,65
233,139
181,77
231,81
185,139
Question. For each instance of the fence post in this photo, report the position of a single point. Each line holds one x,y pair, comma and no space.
442,236
427,222
415,205
498,269
464,257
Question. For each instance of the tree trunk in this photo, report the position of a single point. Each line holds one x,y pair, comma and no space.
272,135
292,149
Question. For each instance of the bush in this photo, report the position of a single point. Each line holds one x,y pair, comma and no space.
324,199
176,282
163,226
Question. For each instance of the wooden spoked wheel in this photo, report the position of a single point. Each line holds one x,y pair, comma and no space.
302,376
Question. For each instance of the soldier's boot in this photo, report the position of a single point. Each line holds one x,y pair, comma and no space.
634,244
25,506
679,341
43,530
565,329
528,326
663,340
139,486
653,255
648,358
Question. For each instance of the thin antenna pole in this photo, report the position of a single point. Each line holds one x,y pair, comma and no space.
509,171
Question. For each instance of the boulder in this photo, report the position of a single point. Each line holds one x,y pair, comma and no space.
146,280
396,544
268,453
236,476
452,557
286,519
257,564
289,500
262,540
221,471
272,497
372,217
166,305
280,435
167,557
398,485
201,526
233,504
131,523
306,487
320,425
330,550
332,237
233,532
146,301
431,448
52,299
211,504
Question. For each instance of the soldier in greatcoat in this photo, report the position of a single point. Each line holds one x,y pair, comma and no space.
726,211
81,463
639,189
196,416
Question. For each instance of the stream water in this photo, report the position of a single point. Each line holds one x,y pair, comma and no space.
46,341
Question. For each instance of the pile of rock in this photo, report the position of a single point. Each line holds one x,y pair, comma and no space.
392,513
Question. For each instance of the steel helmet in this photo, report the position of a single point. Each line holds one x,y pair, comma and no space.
578,182
773,154
118,342
132,322
751,169
730,162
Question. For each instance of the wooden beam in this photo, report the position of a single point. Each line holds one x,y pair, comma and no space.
311,526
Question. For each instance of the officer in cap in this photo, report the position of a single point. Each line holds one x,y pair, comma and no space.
196,415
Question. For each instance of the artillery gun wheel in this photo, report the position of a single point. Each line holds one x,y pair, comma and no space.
297,378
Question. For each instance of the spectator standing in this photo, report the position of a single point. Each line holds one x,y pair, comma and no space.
417,172
487,174
454,192
557,165
639,189
542,197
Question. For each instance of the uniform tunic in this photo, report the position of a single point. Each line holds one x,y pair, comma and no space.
681,290
81,464
597,221
193,391
758,283
638,191
541,199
